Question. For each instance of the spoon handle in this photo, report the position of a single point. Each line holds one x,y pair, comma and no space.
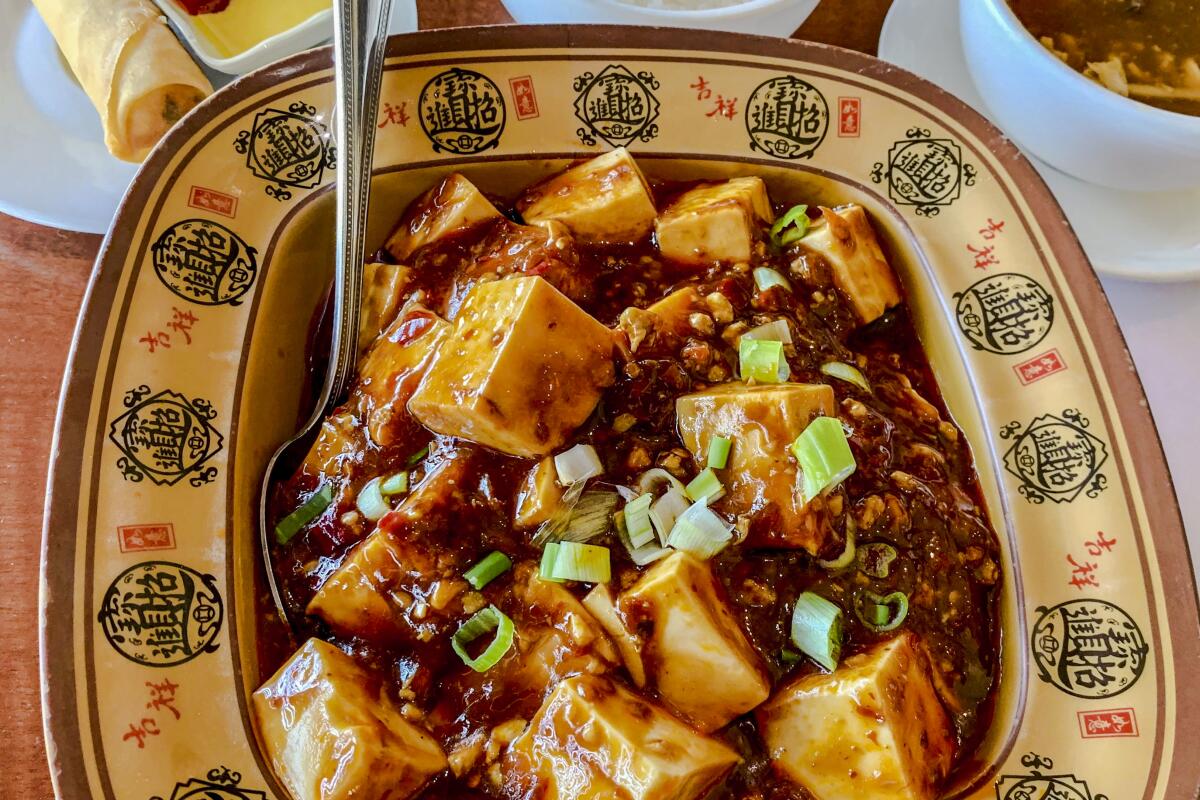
358,51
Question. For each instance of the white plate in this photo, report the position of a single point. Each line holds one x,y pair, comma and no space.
1142,236
54,167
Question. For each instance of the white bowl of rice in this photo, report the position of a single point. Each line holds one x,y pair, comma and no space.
768,17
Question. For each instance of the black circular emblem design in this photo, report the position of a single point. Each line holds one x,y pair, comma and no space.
616,105
288,149
1055,457
1088,648
924,172
1059,787
1006,313
462,111
221,783
165,437
787,117
1037,784
161,614
204,262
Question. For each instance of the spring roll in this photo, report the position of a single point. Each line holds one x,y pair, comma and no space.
137,74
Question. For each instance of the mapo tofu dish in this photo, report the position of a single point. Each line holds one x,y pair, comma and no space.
644,490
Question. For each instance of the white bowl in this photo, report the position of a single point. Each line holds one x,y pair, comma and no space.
311,32
1069,121
767,17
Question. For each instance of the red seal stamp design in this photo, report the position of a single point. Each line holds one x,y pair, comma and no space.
140,538
1040,367
849,116
1114,722
214,201
524,98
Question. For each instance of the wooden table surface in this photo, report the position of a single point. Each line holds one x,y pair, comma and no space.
43,276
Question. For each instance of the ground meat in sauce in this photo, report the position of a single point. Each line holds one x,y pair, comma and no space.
914,489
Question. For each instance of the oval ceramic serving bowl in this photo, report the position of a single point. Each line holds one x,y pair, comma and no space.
189,362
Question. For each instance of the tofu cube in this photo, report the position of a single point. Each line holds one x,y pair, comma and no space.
703,667
388,375
673,310
392,370
603,605
507,249
606,199
364,595
555,638
844,238
383,589
594,740
451,206
872,728
383,285
522,368
556,635
762,421
666,317
331,733
538,496
339,436
714,222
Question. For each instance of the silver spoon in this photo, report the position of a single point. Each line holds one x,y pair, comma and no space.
360,38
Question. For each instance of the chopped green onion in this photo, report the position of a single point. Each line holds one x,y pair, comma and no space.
649,480
371,503
848,552
718,452
648,554
581,562
643,555
705,486
417,457
394,484
765,278
791,227
309,510
493,565
700,531
777,331
824,456
484,622
875,559
591,517
555,527
577,464
846,372
877,613
817,629
789,657
666,510
637,520
549,556
762,361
